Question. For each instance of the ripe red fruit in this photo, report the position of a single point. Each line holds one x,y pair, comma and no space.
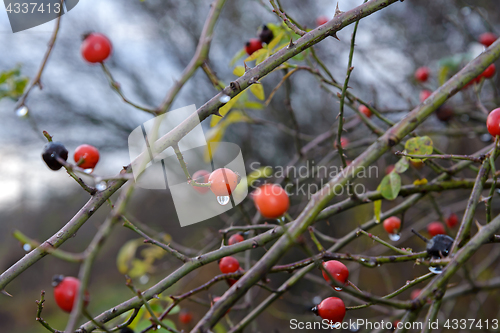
321,20
223,181
365,110
253,45
271,200
201,176
424,94
89,154
51,151
229,265
392,224
337,270
489,72
389,169
236,238
493,122
414,294
332,309
422,74
65,291
452,220
96,48
487,38
185,317
436,228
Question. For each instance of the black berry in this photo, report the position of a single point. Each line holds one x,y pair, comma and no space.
439,245
51,151
266,35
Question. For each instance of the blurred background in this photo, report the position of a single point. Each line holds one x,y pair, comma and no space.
153,41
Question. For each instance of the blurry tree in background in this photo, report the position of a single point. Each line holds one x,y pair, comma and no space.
305,100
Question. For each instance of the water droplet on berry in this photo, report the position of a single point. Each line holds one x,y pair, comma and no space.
394,237
337,288
101,186
144,279
27,247
223,200
22,111
436,269
224,99
88,171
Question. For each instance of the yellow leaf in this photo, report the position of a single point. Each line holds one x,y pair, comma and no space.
224,110
239,70
257,91
422,181
262,172
256,54
275,41
126,255
235,117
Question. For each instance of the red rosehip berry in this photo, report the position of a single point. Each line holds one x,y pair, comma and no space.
389,169
487,38
414,294
332,309
436,228
271,201
223,181
452,220
236,238
51,151
365,110
229,265
96,48
422,74
392,225
66,290
321,20
337,270
493,122
185,317
89,154
253,45
489,72
201,176
424,94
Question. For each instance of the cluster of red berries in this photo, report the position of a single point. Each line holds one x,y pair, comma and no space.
333,308
66,290
86,156
265,36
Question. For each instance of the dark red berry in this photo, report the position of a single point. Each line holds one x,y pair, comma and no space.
489,72
266,35
332,309
493,122
337,270
452,220
365,110
229,265
96,48
392,224
487,38
253,45
422,74
51,151
185,317
236,238
88,154
436,228
444,113
66,290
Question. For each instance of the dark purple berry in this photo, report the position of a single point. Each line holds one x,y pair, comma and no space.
51,151
266,35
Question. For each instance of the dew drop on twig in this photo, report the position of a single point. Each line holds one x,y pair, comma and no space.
224,99
436,269
223,200
27,247
101,186
22,111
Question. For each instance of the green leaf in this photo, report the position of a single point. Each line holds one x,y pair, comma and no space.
402,165
257,91
421,145
239,70
241,53
390,186
377,208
